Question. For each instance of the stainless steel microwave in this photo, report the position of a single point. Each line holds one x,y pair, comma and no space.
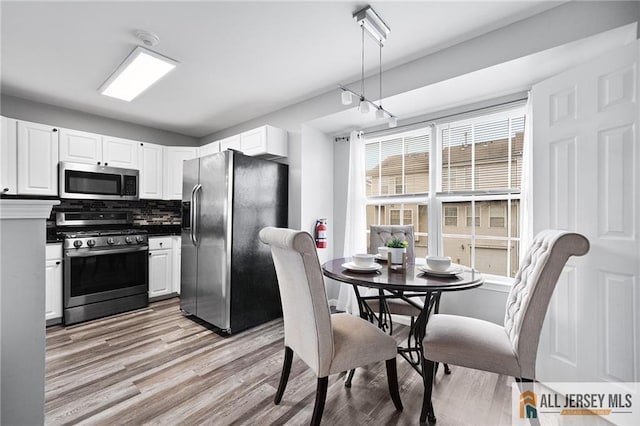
88,181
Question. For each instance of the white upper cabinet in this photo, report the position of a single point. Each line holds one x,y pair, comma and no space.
150,158
80,147
118,152
8,156
232,142
265,141
37,159
210,148
91,148
174,156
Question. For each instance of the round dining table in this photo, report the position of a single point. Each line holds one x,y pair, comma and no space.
412,285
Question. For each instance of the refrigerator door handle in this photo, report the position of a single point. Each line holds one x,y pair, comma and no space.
194,215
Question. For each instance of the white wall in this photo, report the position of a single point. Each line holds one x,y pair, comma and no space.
316,191
23,109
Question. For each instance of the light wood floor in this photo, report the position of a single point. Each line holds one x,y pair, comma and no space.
154,366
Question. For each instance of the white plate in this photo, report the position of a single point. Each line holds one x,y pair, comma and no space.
379,257
453,270
355,268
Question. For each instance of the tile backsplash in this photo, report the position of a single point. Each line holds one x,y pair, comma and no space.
145,212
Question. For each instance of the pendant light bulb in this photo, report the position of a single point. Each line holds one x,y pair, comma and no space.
347,99
393,122
364,106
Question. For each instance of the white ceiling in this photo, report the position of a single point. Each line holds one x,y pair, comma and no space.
238,60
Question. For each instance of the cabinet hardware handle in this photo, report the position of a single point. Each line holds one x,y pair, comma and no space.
5,189
54,130
58,262
98,163
149,254
106,164
141,144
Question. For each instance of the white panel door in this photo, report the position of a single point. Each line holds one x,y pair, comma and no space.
173,158
8,156
117,152
37,159
586,161
160,272
80,147
150,162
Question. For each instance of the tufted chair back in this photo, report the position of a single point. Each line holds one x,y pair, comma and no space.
305,310
380,234
534,284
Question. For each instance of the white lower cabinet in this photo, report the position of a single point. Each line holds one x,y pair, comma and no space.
53,283
160,266
177,256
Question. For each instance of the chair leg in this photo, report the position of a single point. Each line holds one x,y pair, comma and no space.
392,380
427,413
284,377
321,396
347,383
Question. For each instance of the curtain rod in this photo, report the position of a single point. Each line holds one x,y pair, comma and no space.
519,97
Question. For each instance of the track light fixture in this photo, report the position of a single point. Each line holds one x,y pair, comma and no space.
370,22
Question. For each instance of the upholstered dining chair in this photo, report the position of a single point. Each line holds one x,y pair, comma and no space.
509,349
379,235
328,344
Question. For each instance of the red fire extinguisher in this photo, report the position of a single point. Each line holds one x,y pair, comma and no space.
321,233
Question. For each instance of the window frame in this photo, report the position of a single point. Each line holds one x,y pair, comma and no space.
435,199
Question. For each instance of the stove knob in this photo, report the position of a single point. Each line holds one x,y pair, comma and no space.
91,243
111,241
139,239
128,240
77,243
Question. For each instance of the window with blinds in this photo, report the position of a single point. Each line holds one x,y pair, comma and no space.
477,163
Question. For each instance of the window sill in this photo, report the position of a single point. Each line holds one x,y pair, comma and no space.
497,283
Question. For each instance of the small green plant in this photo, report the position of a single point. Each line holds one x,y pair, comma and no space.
397,243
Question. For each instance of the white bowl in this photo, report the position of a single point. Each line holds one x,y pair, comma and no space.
383,250
438,263
363,259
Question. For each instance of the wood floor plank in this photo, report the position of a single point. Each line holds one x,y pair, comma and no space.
155,366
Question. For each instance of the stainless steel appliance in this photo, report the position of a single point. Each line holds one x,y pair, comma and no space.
105,268
228,279
88,181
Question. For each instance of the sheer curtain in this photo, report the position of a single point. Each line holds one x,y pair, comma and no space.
355,240
526,192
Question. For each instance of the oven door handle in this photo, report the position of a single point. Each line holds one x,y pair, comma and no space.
194,214
98,252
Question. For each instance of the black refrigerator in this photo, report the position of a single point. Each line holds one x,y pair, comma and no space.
228,279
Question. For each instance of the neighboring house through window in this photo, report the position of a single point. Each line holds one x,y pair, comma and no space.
477,173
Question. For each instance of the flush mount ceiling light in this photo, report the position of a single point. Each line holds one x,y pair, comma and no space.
139,70
370,22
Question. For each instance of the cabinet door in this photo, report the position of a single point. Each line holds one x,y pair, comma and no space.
8,156
37,159
150,156
232,142
80,147
254,141
160,272
53,289
173,159
210,148
117,152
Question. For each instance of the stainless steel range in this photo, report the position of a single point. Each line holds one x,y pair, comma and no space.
105,264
